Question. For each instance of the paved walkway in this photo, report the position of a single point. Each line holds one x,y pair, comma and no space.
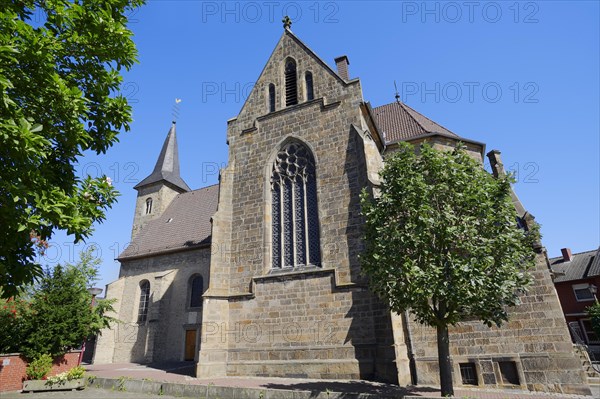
181,373
87,393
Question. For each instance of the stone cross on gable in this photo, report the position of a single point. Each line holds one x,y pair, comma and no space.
287,22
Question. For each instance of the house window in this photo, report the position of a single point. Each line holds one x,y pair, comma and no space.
196,290
271,97
295,224
148,206
583,292
310,94
468,373
291,87
144,301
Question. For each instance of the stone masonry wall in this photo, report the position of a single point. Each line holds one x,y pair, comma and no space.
162,336
161,195
301,325
289,311
535,339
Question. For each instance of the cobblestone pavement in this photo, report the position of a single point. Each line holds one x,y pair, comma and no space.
180,373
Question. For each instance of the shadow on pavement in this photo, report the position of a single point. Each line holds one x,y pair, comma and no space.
352,387
181,368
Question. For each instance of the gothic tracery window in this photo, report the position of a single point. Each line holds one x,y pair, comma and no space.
295,223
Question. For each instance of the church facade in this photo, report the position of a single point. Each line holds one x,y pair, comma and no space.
259,275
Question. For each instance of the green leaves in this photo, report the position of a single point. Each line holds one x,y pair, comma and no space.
58,98
57,315
594,313
442,239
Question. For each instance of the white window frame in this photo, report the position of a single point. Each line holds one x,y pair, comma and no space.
579,287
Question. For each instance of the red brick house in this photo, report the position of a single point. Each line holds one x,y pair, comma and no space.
577,280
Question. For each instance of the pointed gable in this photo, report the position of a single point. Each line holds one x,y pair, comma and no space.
324,81
167,165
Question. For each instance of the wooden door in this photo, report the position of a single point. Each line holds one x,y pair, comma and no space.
190,345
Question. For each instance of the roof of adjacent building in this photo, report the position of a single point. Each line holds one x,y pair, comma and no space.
581,266
167,165
399,122
185,224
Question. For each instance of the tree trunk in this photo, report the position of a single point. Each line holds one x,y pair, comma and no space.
443,344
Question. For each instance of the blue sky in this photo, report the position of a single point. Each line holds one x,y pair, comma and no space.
522,77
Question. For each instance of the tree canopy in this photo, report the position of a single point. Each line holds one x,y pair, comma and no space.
443,241
60,64
56,314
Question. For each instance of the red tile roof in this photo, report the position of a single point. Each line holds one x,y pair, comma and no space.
399,122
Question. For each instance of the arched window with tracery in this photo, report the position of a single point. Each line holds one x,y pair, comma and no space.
291,83
295,219
144,301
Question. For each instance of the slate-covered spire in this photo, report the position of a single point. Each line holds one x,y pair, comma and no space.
167,165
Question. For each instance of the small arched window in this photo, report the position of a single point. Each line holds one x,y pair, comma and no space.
310,94
196,289
144,301
291,86
148,206
295,219
271,97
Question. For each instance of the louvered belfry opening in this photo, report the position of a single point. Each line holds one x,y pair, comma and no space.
295,223
310,94
291,84
271,97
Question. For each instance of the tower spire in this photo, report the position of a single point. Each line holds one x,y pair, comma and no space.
167,165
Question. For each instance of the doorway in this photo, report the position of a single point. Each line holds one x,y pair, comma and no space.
190,345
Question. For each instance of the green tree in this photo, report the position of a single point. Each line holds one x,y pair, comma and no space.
594,313
56,314
442,241
15,316
60,63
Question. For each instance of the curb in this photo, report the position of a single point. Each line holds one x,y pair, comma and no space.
214,391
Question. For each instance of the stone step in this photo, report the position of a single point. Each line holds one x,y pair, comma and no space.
594,381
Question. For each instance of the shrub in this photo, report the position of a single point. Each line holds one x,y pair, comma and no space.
73,374
37,369
76,373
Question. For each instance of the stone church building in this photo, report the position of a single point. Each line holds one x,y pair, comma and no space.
259,275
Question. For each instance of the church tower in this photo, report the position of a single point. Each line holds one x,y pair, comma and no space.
157,190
